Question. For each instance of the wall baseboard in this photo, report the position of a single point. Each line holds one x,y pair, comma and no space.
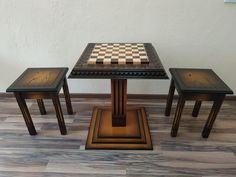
106,95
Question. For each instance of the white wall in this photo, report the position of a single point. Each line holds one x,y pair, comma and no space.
185,33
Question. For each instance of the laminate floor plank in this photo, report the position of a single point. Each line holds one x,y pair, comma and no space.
51,174
50,154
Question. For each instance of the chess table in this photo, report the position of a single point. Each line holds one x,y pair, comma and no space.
119,126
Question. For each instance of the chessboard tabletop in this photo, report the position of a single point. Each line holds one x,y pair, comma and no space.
118,53
119,61
39,80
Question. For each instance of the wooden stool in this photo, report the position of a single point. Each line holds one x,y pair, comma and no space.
39,83
199,85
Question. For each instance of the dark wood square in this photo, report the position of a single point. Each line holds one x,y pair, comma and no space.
198,81
39,80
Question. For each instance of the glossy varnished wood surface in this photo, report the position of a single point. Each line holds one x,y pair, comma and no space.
39,80
199,85
135,135
153,70
49,154
192,80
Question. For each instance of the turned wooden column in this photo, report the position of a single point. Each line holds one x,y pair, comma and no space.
118,97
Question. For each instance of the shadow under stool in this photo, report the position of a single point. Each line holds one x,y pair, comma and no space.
42,83
198,85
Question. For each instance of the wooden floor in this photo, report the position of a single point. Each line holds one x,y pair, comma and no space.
50,154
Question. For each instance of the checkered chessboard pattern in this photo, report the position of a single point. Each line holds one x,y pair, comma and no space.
121,53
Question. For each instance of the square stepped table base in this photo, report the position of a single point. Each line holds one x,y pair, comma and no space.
135,135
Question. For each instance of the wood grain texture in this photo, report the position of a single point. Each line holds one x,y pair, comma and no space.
39,80
135,135
49,154
196,80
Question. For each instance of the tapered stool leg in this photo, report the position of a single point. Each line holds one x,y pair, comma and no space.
178,113
170,98
196,108
212,116
25,112
67,97
41,107
59,114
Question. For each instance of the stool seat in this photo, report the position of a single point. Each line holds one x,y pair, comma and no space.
199,85
198,81
39,80
41,83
